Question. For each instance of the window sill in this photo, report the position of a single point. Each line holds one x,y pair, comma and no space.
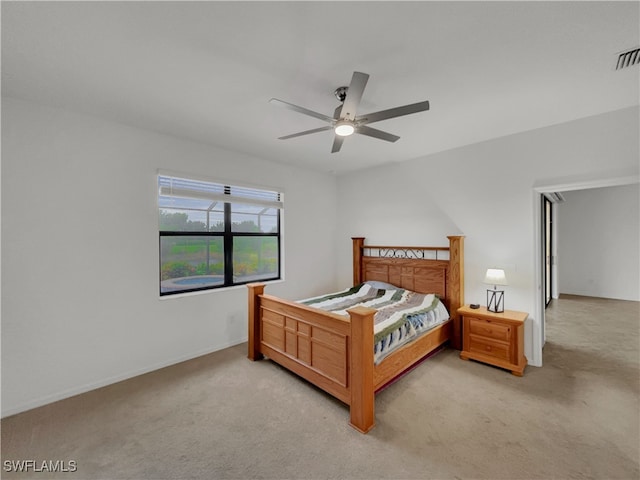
216,290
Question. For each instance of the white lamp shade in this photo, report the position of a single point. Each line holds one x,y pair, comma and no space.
495,276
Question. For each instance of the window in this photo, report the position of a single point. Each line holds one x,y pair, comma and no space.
215,235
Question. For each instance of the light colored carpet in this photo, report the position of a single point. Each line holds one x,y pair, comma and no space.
222,416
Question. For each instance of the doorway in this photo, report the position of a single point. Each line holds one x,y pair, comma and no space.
548,263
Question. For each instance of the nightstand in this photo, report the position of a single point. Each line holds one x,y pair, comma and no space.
494,338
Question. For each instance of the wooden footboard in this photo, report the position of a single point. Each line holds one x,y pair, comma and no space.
330,351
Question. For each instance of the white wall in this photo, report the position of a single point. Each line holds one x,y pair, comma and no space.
80,304
485,192
599,242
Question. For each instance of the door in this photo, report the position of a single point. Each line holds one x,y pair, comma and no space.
547,221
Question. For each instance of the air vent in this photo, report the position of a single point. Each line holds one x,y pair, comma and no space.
628,58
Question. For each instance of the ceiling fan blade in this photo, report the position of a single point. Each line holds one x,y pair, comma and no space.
354,95
337,143
299,109
392,113
306,132
375,133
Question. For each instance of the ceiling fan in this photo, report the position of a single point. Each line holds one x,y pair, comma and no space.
345,120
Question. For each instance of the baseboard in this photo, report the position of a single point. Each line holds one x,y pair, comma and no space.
72,392
566,296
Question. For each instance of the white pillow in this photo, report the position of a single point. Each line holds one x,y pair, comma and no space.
381,285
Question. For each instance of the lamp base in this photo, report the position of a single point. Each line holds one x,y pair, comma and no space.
495,301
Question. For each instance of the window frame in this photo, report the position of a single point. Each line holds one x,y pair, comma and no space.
227,234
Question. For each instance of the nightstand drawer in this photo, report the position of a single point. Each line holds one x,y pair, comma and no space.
487,328
488,347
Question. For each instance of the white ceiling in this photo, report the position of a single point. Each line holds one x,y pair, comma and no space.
206,70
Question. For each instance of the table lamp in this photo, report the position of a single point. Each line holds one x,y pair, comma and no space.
495,297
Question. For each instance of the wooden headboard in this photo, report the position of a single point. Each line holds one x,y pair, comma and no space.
438,270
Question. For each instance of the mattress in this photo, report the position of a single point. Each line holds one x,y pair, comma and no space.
402,315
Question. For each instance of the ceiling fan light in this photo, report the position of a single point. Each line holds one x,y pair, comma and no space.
344,129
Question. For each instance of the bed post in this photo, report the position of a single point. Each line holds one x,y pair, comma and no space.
455,293
361,369
358,243
255,290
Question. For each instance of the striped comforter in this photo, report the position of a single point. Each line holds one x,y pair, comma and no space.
401,314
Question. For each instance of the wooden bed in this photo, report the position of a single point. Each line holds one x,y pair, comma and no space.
336,353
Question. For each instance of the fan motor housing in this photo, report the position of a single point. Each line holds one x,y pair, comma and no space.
341,93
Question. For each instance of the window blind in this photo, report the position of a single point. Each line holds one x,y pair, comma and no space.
176,187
